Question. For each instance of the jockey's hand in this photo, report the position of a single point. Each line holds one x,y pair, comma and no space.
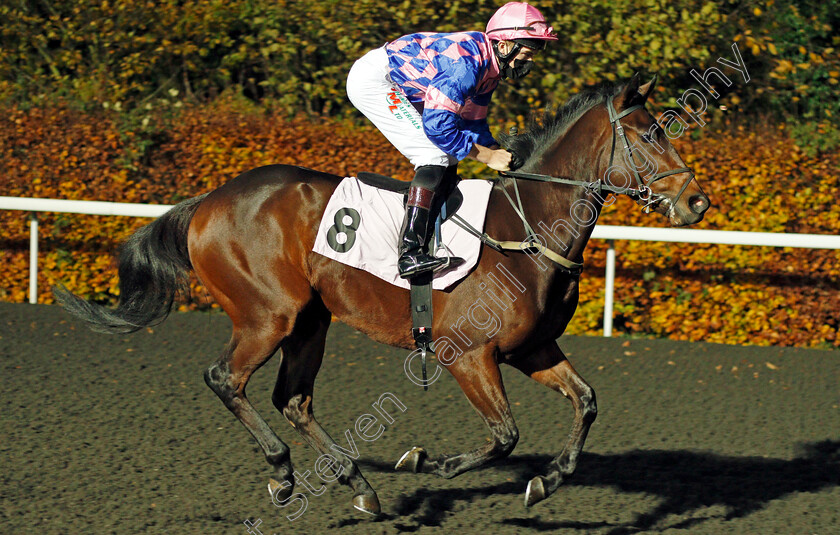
498,159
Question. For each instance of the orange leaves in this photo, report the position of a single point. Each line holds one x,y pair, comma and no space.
58,152
740,309
757,181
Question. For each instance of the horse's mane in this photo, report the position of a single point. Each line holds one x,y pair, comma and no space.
544,128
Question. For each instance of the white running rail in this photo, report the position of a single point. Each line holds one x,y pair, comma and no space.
601,232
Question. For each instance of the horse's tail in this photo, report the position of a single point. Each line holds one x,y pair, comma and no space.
154,266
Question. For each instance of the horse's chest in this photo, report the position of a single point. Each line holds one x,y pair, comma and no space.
561,304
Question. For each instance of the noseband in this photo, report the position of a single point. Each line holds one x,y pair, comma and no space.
642,193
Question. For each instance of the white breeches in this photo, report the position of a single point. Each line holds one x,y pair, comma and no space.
372,93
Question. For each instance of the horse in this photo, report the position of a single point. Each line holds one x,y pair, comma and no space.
250,243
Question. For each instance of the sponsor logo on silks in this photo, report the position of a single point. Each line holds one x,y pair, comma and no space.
402,108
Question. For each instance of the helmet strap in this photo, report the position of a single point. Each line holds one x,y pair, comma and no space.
505,59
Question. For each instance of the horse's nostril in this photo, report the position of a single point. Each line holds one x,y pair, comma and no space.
698,204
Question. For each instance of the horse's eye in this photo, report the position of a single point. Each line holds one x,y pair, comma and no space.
657,134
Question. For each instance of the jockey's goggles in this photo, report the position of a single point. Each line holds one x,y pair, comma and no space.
536,31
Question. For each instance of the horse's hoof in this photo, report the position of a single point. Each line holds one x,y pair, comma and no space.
411,460
367,503
535,492
278,491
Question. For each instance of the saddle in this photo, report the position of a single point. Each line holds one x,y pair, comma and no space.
421,285
451,199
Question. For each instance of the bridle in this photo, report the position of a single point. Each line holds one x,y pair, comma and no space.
642,193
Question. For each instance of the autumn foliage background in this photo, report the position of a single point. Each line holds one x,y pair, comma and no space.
155,102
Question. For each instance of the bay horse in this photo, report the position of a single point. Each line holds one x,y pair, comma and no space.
250,244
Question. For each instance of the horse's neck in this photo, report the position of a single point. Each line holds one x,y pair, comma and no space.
565,214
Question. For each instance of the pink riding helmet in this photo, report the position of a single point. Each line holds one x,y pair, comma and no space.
519,20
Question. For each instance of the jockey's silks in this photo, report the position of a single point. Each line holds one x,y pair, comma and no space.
451,77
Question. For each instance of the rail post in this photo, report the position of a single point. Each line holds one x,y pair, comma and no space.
610,289
33,258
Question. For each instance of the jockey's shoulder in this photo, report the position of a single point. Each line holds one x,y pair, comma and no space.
426,38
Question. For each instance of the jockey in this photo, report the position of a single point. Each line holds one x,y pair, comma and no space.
428,94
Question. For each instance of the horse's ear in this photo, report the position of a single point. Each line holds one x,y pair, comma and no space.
646,89
631,91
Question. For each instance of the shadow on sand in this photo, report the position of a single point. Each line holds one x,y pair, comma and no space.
684,481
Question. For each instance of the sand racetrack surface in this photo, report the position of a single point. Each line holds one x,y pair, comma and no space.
119,434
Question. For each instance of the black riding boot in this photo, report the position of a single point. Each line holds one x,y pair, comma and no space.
414,235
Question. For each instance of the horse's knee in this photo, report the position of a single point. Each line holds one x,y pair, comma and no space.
589,406
217,378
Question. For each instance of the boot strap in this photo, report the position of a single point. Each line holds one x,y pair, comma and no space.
420,197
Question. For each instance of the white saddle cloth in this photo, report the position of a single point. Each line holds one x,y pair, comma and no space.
360,227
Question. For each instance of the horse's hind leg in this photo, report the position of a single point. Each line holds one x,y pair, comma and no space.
550,367
303,352
247,351
480,379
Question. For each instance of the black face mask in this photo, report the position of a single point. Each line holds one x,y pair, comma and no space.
520,67
519,70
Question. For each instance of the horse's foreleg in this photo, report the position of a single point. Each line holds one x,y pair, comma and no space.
550,367
245,353
302,356
481,381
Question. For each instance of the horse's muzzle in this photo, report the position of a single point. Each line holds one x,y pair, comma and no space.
691,212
